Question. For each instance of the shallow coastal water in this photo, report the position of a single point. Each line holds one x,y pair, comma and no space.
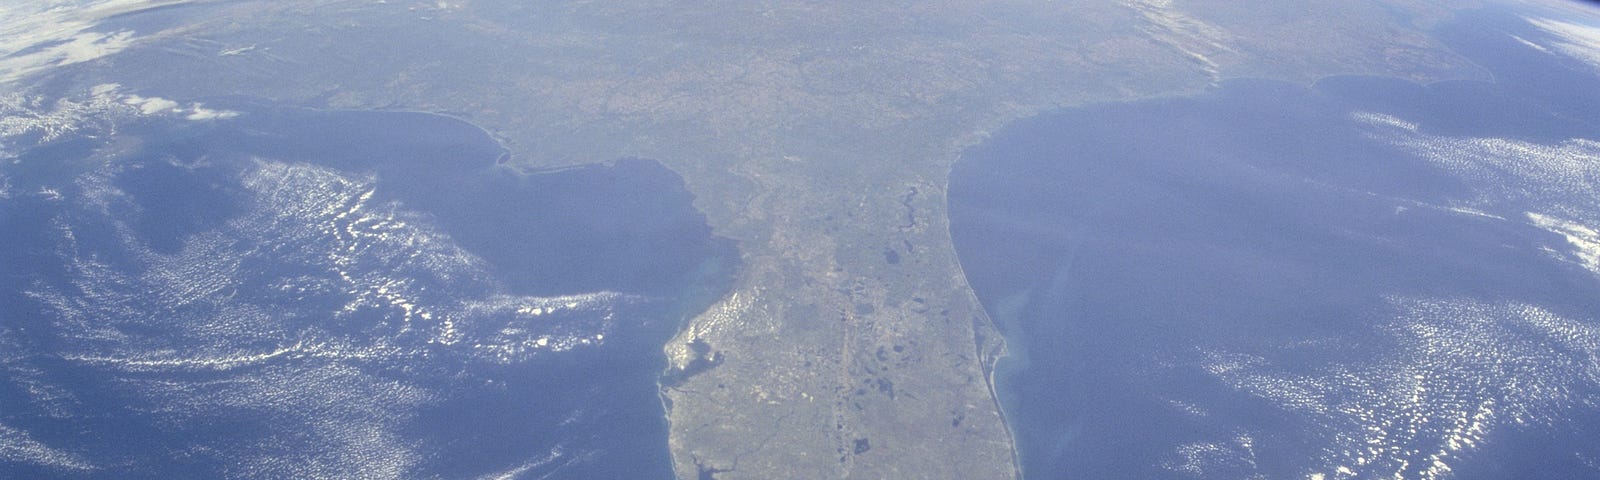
1365,277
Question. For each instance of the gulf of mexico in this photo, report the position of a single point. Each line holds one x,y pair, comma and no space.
312,292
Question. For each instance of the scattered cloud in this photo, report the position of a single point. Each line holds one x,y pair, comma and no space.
1449,372
18,446
26,119
1458,370
1555,186
160,106
245,309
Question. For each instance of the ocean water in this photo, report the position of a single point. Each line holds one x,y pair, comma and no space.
1361,278
292,293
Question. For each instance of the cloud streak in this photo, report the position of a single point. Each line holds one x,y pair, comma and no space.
1576,40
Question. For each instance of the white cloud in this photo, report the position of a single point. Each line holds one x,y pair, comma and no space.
1383,120
151,105
31,120
1196,39
160,106
198,112
1585,241
1556,184
18,446
42,34
1529,44
1452,370
1576,40
1459,370
418,301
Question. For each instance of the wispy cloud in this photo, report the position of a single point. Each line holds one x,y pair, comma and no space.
39,35
1194,38
1576,40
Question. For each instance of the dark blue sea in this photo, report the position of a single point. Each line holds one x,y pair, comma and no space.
293,293
1362,278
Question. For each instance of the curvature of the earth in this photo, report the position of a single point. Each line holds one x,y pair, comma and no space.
230,250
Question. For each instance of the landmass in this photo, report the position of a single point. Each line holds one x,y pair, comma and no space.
818,135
